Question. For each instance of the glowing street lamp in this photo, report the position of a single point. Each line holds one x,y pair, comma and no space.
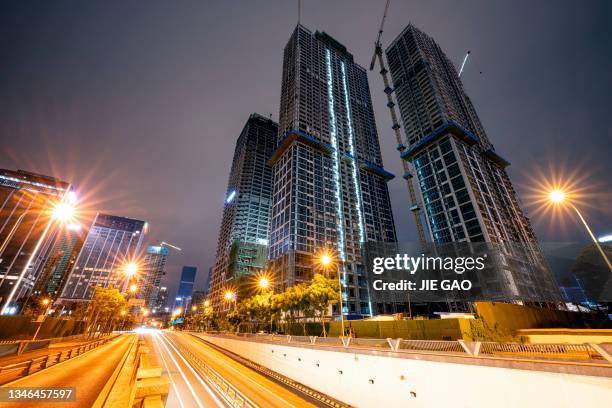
130,269
63,212
326,261
133,288
264,283
559,197
206,303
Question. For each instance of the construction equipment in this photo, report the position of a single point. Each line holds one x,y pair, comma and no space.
401,147
463,64
164,243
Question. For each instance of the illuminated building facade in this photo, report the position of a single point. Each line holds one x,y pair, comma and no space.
330,187
154,268
185,289
243,237
27,228
111,242
60,260
463,183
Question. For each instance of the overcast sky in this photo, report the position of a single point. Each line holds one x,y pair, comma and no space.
139,103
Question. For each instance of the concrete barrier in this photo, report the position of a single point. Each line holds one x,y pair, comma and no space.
376,378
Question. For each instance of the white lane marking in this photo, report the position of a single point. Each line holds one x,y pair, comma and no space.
195,373
250,379
193,393
161,354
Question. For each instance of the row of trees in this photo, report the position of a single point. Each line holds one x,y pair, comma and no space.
107,310
299,303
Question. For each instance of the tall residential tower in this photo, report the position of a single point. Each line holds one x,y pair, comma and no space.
330,187
242,246
467,194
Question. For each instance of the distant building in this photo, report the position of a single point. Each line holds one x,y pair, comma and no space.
111,243
242,246
153,269
185,289
161,303
27,228
198,298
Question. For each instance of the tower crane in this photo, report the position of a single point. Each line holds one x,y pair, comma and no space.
164,243
401,147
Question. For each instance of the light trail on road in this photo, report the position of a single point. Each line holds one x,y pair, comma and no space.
190,390
259,389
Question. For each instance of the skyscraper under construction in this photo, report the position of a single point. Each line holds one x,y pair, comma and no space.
330,187
463,183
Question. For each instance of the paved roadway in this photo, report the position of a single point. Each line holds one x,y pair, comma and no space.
262,391
88,373
188,389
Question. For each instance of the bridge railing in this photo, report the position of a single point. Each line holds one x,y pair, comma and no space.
14,371
554,351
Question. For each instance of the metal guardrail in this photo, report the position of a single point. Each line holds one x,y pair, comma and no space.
551,351
22,369
230,393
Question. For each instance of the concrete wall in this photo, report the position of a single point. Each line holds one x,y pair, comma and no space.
379,381
436,329
514,317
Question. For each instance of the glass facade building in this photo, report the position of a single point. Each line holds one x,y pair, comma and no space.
242,246
111,242
27,231
330,187
185,289
154,268
463,183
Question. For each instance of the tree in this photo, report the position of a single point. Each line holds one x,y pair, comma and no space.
106,305
322,293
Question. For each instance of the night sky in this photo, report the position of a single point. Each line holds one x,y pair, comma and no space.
139,103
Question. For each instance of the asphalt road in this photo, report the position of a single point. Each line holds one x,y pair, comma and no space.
188,389
88,373
262,391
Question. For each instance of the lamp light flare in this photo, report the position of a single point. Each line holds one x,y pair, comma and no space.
229,295
557,196
264,283
131,268
63,212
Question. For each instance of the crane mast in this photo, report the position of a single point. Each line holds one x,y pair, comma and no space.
401,147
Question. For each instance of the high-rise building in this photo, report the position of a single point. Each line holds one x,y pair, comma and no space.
185,289
153,269
60,261
162,300
111,243
27,228
242,246
463,184
330,187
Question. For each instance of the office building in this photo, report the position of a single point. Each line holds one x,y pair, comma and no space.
60,260
185,289
111,243
153,269
27,230
330,187
242,246
462,179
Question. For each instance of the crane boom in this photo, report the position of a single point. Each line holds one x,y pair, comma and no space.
164,243
408,173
